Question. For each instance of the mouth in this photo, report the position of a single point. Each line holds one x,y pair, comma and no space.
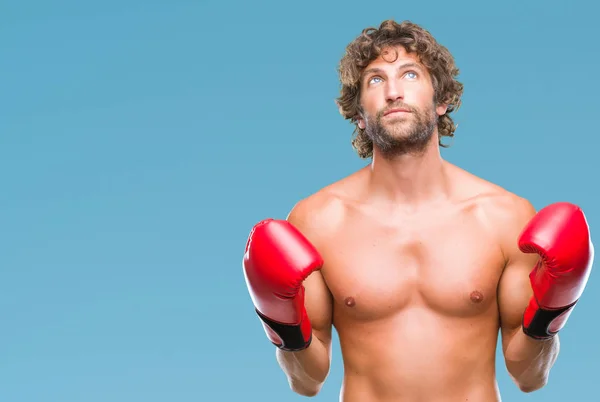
397,110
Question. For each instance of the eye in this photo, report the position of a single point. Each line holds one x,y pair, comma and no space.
411,75
373,80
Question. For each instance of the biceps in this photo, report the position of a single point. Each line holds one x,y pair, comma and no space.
318,303
514,293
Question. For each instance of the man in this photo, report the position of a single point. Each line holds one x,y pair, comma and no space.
417,263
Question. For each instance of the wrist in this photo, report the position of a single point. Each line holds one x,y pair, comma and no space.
541,323
288,337
305,369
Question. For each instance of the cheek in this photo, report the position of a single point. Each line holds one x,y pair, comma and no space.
370,104
420,97
419,92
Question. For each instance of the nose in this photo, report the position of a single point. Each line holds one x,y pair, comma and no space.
393,91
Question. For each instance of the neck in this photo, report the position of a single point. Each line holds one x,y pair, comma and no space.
409,179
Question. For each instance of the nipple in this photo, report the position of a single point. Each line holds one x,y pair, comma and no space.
476,296
349,301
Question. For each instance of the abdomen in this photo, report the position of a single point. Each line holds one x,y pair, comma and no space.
419,355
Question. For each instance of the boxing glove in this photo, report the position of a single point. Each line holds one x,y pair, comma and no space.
559,233
277,259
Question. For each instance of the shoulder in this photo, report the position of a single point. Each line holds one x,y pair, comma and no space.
496,201
508,213
317,210
506,209
502,211
321,213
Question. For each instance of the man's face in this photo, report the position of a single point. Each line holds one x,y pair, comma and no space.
397,98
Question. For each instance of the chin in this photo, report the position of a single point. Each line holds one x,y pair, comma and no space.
397,132
398,122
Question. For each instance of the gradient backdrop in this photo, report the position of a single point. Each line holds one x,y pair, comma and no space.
141,140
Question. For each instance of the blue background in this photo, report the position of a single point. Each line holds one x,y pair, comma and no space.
141,140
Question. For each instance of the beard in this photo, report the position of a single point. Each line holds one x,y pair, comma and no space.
405,134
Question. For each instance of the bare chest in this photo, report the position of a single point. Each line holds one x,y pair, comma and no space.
451,267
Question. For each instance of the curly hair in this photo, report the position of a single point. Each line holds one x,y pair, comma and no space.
369,45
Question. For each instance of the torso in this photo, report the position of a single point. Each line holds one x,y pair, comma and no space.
414,296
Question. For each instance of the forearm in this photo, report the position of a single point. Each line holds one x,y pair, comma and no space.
529,361
307,369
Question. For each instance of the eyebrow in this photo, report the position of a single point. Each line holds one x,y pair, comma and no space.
403,66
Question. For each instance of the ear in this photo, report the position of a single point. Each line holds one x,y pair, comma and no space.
361,123
441,109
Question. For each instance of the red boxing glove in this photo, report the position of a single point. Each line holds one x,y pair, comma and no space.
559,233
277,259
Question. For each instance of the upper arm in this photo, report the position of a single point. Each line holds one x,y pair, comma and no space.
317,297
514,290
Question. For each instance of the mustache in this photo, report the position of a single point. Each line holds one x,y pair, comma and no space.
397,106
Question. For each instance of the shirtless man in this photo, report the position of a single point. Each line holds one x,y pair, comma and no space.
417,263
